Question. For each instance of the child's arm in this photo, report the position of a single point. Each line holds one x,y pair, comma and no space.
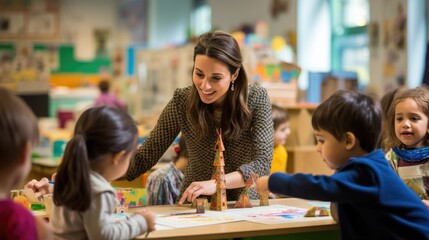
149,216
262,185
101,223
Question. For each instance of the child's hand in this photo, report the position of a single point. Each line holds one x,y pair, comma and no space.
149,216
262,185
426,202
39,187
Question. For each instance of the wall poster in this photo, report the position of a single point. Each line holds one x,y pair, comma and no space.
29,19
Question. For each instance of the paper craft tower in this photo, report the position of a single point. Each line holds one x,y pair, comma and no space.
218,200
244,200
263,200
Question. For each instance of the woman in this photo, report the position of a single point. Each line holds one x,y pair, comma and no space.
219,97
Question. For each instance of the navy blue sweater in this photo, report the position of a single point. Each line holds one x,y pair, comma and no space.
373,202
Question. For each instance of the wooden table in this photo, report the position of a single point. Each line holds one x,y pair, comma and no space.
315,229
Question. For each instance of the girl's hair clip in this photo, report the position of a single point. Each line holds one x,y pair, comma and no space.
177,149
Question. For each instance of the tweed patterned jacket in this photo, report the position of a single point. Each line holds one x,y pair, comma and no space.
251,152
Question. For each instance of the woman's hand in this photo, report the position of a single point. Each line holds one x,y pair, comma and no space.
196,189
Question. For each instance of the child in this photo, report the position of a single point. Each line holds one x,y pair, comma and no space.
163,185
281,132
372,201
18,133
407,139
84,201
107,98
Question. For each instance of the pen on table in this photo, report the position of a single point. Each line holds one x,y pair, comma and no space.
147,234
181,213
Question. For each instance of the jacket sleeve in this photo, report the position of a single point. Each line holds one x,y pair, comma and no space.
262,135
355,183
101,223
160,138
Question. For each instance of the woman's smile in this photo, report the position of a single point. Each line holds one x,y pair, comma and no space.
212,79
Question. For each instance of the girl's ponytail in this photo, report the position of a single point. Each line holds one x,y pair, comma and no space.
72,185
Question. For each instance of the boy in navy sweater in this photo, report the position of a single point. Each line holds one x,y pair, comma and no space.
373,202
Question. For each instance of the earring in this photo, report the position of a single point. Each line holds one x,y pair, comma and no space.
232,86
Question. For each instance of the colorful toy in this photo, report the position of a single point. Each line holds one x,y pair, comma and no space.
121,208
317,212
244,200
201,203
21,199
130,198
263,200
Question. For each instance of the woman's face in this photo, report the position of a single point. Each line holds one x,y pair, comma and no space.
212,79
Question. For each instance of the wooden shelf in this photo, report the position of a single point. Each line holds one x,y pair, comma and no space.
299,106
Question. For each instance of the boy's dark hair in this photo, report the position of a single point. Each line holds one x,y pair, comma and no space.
104,86
279,115
99,131
18,125
347,111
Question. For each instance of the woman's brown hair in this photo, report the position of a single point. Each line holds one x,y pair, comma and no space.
235,112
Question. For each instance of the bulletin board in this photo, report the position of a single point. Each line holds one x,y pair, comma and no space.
29,19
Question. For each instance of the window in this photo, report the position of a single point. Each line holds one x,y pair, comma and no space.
200,18
350,51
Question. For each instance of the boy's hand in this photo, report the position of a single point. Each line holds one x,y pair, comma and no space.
149,216
262,185
426,202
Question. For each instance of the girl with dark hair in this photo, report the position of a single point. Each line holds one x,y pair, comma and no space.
84,201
